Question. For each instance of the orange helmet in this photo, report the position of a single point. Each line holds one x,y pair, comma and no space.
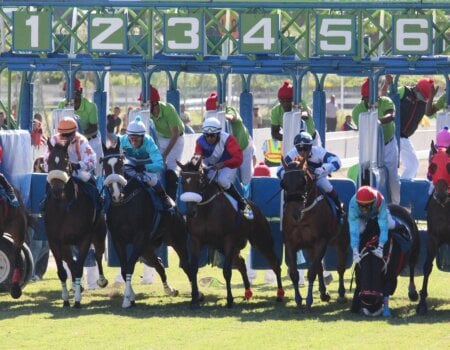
67,125
366,195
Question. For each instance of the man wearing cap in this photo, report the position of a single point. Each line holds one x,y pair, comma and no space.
170,130
240,132
285,97
88,118
413,103
386,116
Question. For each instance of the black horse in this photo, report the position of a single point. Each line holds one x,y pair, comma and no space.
376,279
212,221
14,221
438,217
134,219
72,222
309,224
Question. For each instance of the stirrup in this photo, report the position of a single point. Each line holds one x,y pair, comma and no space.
248,212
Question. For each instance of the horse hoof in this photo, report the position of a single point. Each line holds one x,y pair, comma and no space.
422,309
201,297
248,294
342,300
16,291
413,295
229,305
77,305
102,282
325,297
280,294
66,303
195,305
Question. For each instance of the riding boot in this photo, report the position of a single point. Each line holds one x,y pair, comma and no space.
9,191
172,184
334,196
243,206
165,199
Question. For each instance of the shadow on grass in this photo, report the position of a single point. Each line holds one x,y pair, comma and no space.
150,302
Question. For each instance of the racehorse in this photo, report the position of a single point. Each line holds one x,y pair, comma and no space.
134,219
438,216
376,279
308,223
72,222
14,221
213,221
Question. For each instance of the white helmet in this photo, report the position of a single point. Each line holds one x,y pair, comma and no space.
136,127
211,126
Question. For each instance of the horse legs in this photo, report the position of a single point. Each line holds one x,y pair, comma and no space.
99,246
80,254
341,260
314,269
291,257
157,263
194,258
422,307
227,266
16,291
239,263
62,275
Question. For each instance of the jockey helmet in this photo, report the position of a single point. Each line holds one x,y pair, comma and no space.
136,127
67,125
303,141
366,195
211,126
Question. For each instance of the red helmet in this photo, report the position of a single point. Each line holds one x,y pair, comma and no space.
154,94
424,87
211,102
366,195
286,90
365,88
76,85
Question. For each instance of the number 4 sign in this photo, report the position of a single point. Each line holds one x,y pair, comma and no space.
32,31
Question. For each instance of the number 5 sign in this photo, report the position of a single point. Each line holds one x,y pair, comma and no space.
32,31
335,35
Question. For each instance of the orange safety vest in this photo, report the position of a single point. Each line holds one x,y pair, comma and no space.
273,153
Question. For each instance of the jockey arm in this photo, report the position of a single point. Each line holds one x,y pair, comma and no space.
235,151
354,225
87,155
383,223
157,163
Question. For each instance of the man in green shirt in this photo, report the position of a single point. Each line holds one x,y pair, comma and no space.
88,119
285,97
170,131
386,116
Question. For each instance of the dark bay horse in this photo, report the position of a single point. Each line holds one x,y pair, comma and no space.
212,221
14,220
72,222
308,223
133,219
438,216
376,279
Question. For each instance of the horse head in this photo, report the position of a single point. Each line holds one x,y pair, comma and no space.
59,167
297,179
193,181
113,171
370,273
439,170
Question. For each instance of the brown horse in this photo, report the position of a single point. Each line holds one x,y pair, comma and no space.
438,216
72,222
308,224
14,221
133,219
213,222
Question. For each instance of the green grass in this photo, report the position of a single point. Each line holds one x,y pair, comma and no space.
38,321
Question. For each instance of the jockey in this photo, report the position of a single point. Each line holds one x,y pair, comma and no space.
367,204
144,160
442,142
7,186
81,155
220,151
320,162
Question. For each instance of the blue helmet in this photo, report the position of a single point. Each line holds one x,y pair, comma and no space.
303,141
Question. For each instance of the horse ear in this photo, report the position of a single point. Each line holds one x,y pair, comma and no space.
117,145
181,165
432,148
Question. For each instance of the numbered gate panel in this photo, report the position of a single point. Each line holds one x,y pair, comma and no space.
107,33
32,31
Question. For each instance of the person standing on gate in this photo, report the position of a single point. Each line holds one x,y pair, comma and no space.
331,113
186,118
170,131
222,155
240,132
413,106
386,117
88,117
285,98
